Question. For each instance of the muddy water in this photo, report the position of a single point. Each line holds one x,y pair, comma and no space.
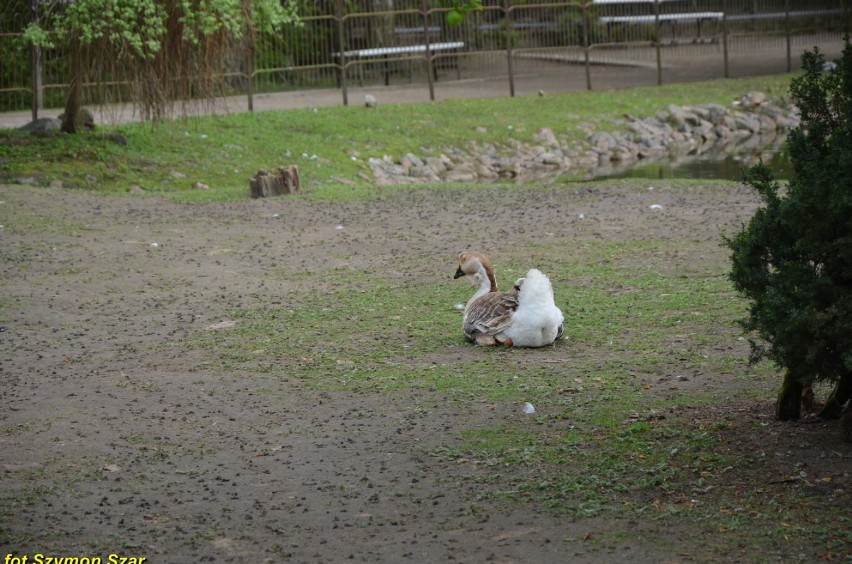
719,167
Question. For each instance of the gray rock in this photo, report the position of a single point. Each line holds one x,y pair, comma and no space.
716,111
709,129
677,115
412,160
546,136
551,158
622,154
42,125
485,172
436,164
463,172
602,140
747,122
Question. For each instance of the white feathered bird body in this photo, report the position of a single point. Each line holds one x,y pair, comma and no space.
537,321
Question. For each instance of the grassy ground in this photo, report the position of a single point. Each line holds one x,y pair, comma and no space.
331,143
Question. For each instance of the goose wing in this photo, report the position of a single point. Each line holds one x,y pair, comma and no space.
490,314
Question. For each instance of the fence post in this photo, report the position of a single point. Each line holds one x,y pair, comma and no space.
37,97
250,69
341,39
846,18
787,32
725,37
507,8
430,63
585,8
658,33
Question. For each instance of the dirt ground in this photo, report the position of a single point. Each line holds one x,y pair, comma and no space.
115,439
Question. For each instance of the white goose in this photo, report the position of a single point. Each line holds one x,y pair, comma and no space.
526,316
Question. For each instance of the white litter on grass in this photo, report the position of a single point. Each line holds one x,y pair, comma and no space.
276,215
581,216
459,307
529,408
154,245
338,227
655,207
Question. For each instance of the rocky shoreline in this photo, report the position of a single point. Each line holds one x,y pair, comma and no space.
751,122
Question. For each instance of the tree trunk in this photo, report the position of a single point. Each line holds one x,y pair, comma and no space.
846,426
837,399
73,100
789,404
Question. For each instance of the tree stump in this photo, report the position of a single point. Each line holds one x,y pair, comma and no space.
283,180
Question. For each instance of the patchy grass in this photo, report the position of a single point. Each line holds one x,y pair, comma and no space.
626,420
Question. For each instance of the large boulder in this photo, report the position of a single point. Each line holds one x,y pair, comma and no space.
42,125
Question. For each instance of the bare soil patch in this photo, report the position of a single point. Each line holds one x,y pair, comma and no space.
115,438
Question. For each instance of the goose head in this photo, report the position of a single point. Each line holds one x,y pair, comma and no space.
477,269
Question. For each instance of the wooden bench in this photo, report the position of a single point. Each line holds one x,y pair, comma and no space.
672,19
386,54
782,15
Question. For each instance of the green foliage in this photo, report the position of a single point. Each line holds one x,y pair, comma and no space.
794,259
167,50
141,25
459,9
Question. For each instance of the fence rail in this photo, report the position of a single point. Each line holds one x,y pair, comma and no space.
339,44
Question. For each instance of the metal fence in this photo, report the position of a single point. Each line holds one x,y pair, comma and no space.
567,45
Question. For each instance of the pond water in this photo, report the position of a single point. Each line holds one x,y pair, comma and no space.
729,167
